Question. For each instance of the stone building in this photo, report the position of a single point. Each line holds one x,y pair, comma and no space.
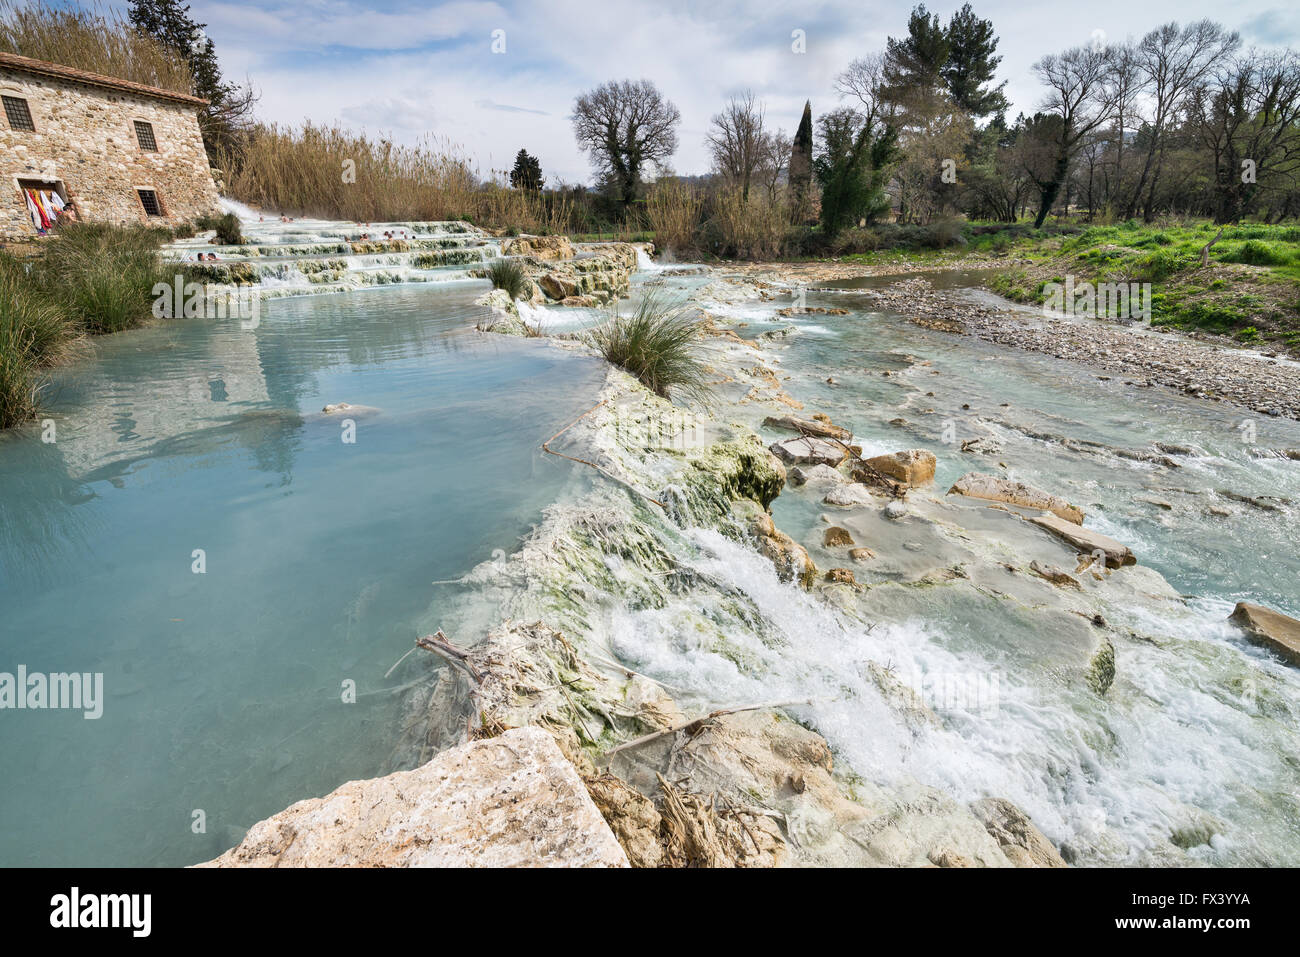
121,151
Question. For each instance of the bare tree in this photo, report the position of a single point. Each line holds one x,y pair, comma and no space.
1172,61
1247,118
736,140
625,126
774,160
864,80
1078,100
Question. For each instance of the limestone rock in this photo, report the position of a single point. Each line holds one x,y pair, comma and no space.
861,554
812,451
803,474
1022,843
1269,629
508,801
813,427
539,247
557,287
993,488
1086,540
835,536
848,494
912,467
841,576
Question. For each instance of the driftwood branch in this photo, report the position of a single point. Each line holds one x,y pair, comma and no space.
546,447
696,725
440,645
1205,250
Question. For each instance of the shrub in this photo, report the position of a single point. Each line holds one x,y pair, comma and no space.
34,332
103,275
508,274
1256,253
658,344
229,230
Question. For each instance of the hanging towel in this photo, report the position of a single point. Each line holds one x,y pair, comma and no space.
32,209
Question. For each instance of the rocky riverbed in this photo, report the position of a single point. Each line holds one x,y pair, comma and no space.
619,623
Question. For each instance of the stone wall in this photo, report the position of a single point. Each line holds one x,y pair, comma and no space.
85,145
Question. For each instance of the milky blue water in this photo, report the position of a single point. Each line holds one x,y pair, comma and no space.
223,691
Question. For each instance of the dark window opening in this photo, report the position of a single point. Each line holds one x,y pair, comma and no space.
19,116
144,135
149,200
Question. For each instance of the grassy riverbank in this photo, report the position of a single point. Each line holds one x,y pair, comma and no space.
90,279
1249,288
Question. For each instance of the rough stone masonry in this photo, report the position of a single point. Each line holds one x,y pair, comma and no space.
123,152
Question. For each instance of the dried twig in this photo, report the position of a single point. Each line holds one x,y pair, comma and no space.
546,447
695,726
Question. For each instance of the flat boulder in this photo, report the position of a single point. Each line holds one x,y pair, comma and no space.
993,488
911,467
510,801
794,423
807,450
1269,629
1115,554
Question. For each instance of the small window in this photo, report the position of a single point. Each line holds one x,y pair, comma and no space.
20,117
149,200
144,134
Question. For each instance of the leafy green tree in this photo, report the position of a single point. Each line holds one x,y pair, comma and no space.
527,173
913,66
229,106
969,69
852,168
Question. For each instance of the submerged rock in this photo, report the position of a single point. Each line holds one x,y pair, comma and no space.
848,494
1269,629
993,488
508,801
835,537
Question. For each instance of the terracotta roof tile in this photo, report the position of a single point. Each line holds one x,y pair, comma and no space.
43,68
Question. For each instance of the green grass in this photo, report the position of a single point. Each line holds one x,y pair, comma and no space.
88,278
659,345
510,275
1251,289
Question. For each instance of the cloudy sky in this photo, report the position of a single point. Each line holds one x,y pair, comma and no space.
415,70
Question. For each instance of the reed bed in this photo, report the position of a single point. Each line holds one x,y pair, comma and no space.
97,39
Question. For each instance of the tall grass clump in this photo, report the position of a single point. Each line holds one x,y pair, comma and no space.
509,274
97,40
672,210
658,343
34,333
753,229
334,173
102,275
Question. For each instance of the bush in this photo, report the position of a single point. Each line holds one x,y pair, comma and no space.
34,332
658,345
1256,253
508,274
102,275
229,230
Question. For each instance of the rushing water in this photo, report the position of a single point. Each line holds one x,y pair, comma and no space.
1194,743
224,690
